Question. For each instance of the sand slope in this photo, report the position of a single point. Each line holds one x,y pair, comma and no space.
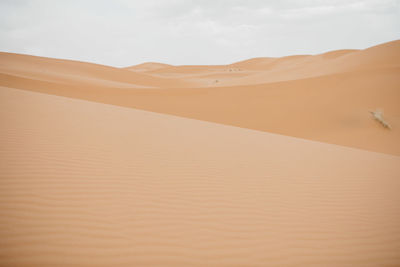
324,97
88,184
331,108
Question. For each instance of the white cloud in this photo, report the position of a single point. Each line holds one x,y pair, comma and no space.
126,32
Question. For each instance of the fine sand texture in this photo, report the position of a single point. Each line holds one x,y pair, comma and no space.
92,184
263,162
326,97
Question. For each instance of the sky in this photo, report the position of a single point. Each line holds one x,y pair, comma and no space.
187,32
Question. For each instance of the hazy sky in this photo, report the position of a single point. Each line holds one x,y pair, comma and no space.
128,32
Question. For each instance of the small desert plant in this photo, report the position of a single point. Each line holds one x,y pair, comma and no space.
378,115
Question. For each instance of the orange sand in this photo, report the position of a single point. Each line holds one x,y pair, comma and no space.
324,97
93,184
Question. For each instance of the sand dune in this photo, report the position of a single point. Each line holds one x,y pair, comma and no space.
332,109
331,106
79,73
265,70
88,184
298,67
148,66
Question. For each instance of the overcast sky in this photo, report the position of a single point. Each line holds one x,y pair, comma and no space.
129,32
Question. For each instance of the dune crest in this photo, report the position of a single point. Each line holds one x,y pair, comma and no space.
324,97
79,73
148,66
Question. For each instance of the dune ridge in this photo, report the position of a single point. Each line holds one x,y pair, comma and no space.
266,70
148,66
325,97
89,184
79,73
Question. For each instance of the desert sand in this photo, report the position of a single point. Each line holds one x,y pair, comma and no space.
325,97
264,162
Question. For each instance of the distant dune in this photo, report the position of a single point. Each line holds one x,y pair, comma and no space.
149,66
88,184
78,73
267,161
